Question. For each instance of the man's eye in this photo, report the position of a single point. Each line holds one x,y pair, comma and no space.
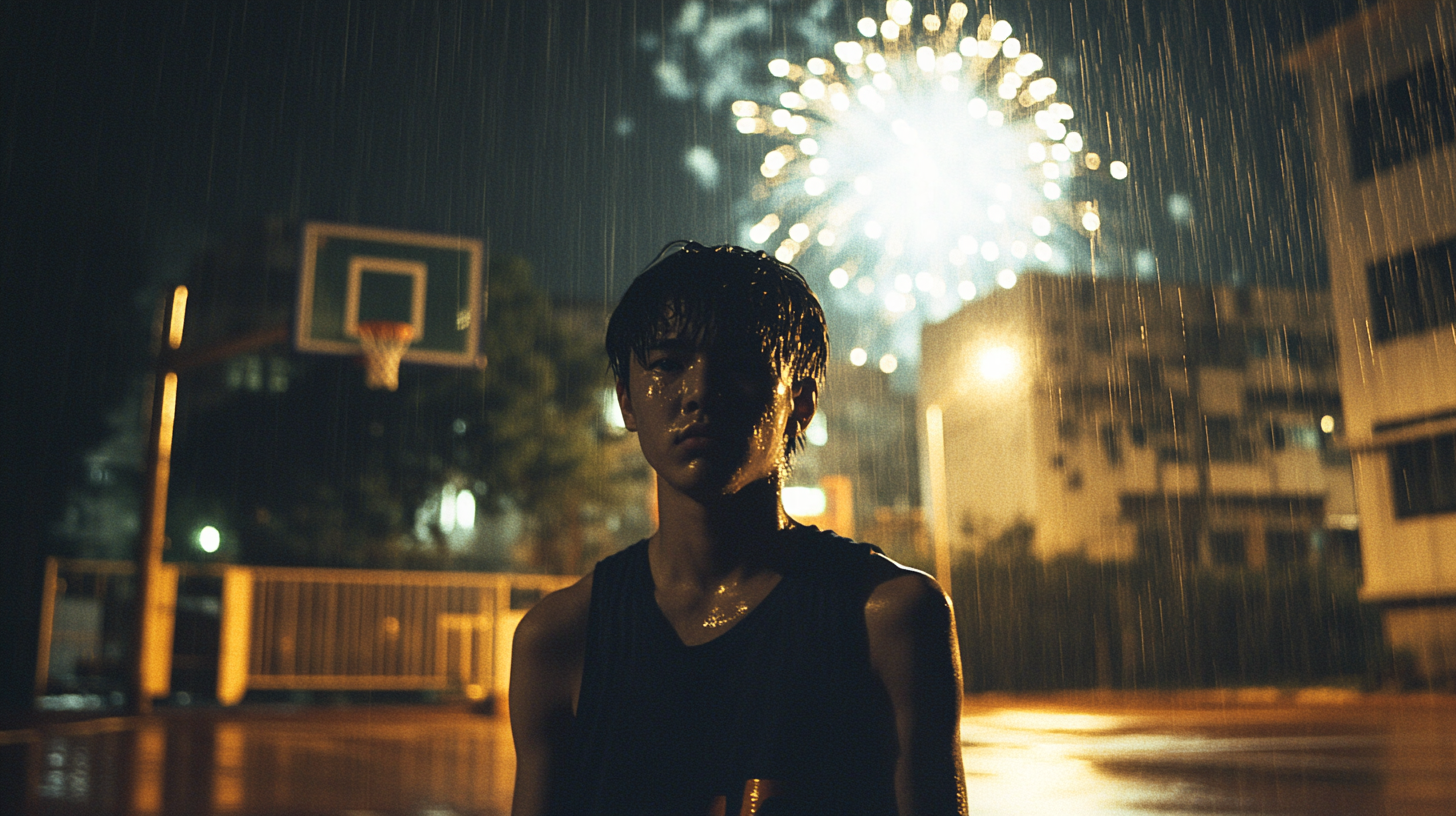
664,364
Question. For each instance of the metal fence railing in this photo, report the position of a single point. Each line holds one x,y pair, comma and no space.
286,628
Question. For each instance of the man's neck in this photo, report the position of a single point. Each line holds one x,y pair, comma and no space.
706,542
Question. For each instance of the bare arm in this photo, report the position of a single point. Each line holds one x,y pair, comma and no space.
546,661
914,651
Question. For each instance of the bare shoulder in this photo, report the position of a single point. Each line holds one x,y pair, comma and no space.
556,623
903,598
546,664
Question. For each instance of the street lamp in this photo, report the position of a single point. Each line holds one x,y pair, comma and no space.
209,539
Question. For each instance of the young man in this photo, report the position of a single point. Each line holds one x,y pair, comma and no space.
736,661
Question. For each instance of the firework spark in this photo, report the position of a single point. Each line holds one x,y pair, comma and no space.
919,165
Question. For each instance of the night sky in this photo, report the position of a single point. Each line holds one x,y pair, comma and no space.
133,133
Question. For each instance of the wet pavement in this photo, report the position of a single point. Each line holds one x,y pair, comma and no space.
1256,752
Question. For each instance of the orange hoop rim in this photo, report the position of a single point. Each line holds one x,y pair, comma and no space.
386,330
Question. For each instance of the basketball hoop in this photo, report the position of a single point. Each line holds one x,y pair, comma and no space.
384,343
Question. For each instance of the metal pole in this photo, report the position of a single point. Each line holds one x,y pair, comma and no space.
161,414
940,513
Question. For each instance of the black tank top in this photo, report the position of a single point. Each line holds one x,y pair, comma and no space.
787,695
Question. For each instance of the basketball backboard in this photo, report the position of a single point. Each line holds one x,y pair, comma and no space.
351,274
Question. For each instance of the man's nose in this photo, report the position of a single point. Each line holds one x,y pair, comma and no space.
698,385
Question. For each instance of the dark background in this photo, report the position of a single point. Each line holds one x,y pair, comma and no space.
133,134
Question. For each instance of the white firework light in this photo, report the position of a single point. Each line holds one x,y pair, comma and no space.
918,166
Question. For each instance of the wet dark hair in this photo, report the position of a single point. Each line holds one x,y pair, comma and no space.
724,292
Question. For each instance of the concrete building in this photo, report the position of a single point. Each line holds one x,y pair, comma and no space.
1381,91
1128,419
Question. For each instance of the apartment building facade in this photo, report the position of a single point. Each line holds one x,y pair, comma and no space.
1127,419
1381,94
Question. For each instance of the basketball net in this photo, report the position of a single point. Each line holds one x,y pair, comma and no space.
384,343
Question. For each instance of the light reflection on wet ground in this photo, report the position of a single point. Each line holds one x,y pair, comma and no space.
359,762
1079,754
1144,756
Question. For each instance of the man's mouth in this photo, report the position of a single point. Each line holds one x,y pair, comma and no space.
695,431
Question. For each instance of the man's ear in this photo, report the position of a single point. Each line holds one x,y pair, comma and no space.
806,403
624,402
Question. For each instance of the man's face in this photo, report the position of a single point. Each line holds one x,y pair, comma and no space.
712,417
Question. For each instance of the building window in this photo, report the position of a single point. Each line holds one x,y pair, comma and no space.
1226,440
1286,548
1227,547
1111,444
1413,292
1406,118
1423,476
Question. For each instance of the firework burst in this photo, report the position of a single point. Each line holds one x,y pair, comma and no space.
921,164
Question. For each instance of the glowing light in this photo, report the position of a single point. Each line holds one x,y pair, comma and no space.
1092,160
764,229
1006,278
749,125
818,431
447,508
925,58
858,357
179,318
465,510
1091,221
804,501
933,145
888,364
998,364
1327,424
1118,170
1042,88
209,539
